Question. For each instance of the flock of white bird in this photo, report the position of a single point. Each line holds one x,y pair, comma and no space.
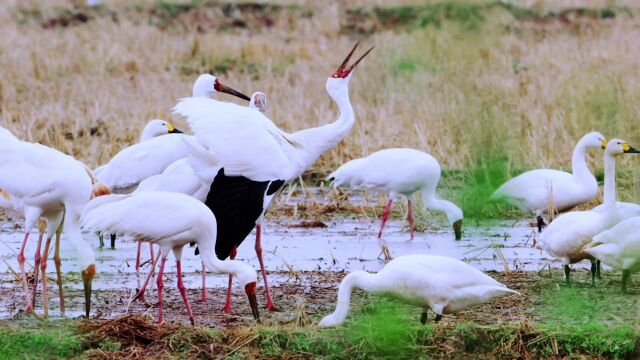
214,187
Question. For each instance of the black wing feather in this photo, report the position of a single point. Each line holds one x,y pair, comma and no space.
237,203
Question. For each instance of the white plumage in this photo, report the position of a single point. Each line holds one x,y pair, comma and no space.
399,171
135,163
537,190
619,247
170,220
39,181
568,234
442,284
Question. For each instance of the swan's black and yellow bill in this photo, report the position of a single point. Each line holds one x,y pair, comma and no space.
629,150
604,144
172,129
225,89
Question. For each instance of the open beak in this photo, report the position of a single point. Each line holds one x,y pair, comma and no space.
250,289
344,71
87,279
225,89
457,228
629,150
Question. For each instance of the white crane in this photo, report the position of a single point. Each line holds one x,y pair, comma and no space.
565,237
135,163
180,177
442,284
43,182
537,190
183,220
258,158
399,171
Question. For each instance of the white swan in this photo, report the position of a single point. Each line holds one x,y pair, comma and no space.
536,190
135,163
442,284
619,247
399,171
568,234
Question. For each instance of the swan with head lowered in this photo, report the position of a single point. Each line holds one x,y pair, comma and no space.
258,159
565,237
442,284
537,190
400,172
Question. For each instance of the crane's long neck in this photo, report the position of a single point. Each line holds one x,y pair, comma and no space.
579,165
357,279
609,180
72,231
431,201
212,263
316,141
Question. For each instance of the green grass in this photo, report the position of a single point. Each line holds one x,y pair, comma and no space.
47,340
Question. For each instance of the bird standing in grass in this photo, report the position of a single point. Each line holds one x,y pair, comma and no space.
538,190
566,236
170,220
399,172
442,284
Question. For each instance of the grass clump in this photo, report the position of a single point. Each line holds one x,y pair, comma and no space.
52,342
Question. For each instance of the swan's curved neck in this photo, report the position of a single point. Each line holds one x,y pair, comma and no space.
212,263
579,164
609,180
357,279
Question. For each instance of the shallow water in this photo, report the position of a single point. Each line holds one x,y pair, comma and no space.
347,243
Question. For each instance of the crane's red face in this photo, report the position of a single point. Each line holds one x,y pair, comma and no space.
344,71
225,89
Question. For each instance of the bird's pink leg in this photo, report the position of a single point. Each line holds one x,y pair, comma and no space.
43,268
21,260
204,283
138,256
227,305
140,294
183,292
410,217
36,268
160,286
269,305
385,216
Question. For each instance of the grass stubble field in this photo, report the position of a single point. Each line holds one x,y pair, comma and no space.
489,88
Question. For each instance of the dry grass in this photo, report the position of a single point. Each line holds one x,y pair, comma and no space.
520,88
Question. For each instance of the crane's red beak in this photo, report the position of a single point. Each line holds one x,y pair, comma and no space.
344,71
225,89
87,279
250,289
